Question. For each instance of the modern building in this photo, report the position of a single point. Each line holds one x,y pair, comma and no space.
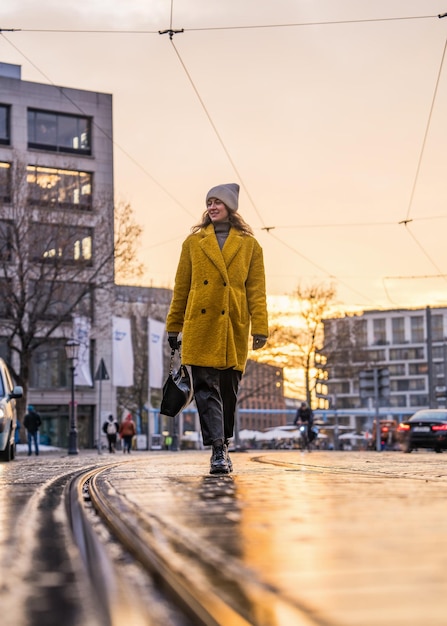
56,245
411,344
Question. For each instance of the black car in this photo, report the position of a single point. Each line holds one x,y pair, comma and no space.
424,429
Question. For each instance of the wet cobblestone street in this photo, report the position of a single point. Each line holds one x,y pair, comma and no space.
341,538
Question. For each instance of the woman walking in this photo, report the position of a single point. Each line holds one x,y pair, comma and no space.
219,300
127,432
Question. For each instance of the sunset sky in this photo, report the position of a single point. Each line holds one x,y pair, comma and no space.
330,114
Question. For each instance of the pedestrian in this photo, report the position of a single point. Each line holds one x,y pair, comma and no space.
127,432
110,428
32,423
219,298
17,432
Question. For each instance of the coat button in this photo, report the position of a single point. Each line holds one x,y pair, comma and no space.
223,312
203,310
225,284
205,282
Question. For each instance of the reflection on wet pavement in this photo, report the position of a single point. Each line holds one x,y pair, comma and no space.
350,540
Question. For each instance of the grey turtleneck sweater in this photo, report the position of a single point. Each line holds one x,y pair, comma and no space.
222,229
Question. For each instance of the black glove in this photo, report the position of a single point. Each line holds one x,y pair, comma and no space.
173,342
259,341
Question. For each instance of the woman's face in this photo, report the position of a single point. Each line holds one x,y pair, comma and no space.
217,211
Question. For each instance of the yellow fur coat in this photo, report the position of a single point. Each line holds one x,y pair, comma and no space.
219,296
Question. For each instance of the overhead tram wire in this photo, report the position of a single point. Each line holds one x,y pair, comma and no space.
321,269
427,128
352,224
425,253
216,28
171,32
214,127
102,130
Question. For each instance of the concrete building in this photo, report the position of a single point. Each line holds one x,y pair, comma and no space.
410,343
56,217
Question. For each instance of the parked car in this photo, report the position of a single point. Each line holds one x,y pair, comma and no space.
8,413
425,429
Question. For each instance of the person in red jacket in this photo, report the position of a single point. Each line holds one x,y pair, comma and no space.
128,431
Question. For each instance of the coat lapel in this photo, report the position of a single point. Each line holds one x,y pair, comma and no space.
221,259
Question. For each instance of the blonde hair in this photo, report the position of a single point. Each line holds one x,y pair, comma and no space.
236,221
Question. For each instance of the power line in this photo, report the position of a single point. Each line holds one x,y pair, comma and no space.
426,133
320,268
218,135
420,246
353,224
96,125
171,33
222,28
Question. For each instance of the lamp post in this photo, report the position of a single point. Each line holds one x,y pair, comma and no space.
72,351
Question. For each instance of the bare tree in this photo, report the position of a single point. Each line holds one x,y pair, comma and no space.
56,258
128,270
295,345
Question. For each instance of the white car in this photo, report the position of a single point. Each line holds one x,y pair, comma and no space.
8,413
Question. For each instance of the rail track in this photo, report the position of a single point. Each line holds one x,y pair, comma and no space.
195,585
156,549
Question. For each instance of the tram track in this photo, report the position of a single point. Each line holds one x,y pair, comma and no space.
206,587
199,606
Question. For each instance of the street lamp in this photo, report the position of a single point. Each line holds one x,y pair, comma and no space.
72,351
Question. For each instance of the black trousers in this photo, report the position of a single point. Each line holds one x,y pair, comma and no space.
215,393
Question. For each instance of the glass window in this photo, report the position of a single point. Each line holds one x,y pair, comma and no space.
406,354
437,327
418,368
376,355
4,125
400,385
49,366
54,300
398,329
341,388
361,333
5,240
53,242
439,369
397,369
379,332
397,401
5,182
417,329
59,188
4,350
5,302
59,132
419,400
438,352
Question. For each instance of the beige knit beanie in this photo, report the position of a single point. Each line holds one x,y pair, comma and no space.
228,194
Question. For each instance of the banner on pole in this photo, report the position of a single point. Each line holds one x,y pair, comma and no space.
122,375
81,333
156,331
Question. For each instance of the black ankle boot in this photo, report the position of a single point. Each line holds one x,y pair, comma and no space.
230,464
219,463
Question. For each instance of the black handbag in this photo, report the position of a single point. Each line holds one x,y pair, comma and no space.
177,390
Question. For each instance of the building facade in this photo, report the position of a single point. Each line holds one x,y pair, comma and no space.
56,245
261,402
410,343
